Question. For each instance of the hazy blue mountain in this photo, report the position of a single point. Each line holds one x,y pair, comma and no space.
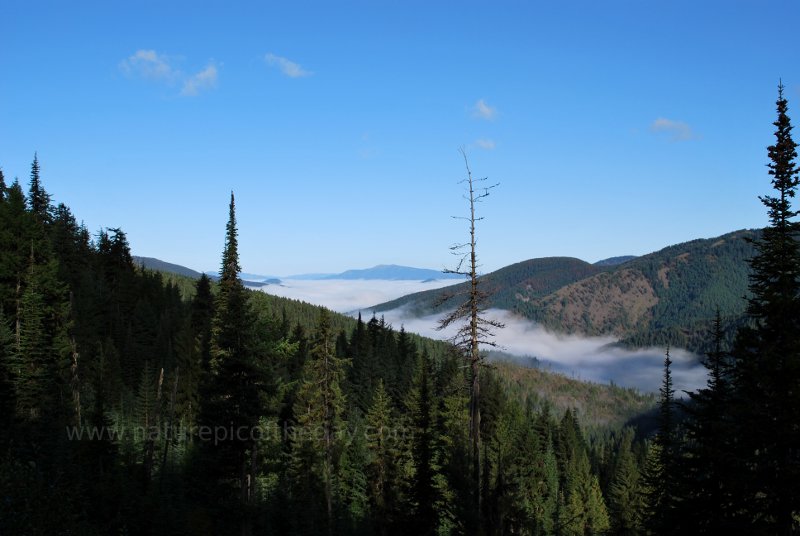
162,266
249,278
256,277
310,277
391,272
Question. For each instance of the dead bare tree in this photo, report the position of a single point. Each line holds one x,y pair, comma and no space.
474,329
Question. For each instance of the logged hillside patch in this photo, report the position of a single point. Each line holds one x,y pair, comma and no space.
607,303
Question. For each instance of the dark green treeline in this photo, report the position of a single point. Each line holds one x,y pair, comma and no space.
132,405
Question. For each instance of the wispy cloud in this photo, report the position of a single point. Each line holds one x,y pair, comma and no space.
205,79
482,110
677,130
485,144
148,64
286,66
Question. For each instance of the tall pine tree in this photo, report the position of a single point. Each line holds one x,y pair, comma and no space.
661,468
231,402
767,353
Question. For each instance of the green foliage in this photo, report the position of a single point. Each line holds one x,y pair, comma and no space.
357,428
626,498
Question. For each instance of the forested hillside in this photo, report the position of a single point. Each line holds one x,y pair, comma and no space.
669,296
530,279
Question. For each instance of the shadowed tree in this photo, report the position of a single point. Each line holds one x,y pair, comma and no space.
661,469
231,394
38,198
767,354
707,472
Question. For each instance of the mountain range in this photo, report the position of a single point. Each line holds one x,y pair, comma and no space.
666,297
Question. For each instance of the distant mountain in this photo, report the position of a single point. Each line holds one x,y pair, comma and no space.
309,277
614,261
391,272
669,296
256,277
253,280
162,266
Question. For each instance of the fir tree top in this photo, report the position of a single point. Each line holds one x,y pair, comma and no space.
230,256
775,281
38,197
782,166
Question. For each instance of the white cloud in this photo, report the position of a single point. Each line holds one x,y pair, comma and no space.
482,110
485,144
350,295
205,79
149,64
287,67
678,130
585,358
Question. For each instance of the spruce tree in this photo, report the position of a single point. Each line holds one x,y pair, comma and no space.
231,393
316,443
707,472
767,354
661,472
423,490
38,198
201,317
625,493
382,459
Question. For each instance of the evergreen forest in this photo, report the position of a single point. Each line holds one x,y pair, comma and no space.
136,402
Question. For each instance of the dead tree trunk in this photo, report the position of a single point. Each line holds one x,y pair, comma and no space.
474,329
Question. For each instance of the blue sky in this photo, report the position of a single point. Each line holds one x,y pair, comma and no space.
614,127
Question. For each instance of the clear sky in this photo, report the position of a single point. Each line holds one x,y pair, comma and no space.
613,127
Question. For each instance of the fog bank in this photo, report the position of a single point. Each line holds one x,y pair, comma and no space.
346,295
584,358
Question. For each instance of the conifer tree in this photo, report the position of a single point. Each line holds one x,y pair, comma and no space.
661,470
767,354
423,490
201,317
382,459
626,503
38,198
707,473
231,393
318,410
7,399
